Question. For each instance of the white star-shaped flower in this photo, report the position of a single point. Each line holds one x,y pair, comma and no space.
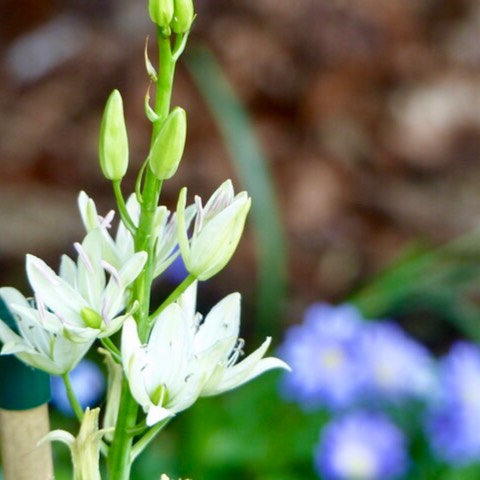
187,357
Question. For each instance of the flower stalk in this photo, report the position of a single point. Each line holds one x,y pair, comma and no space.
168,358
120,460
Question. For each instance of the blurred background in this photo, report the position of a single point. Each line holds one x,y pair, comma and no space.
366,115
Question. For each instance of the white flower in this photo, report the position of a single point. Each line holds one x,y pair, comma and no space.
217,230
122,247
81,297
40,342
186,358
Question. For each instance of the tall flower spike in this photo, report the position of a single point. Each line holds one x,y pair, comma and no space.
40,342
81,296
186,358
217,230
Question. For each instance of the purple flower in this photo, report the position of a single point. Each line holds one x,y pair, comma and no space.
454,421
397,367
88,383
361,446
325,362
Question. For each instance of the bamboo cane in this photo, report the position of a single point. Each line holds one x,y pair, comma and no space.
20,431
24,394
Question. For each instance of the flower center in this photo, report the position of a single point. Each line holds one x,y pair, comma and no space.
356,462
332,358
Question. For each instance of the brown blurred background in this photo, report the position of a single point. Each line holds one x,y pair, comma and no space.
368,112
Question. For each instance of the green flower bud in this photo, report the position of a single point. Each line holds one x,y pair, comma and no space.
113,145
183,16
161,13
168,147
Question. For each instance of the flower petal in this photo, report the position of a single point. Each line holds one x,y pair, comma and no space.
57,294
246,370
157,414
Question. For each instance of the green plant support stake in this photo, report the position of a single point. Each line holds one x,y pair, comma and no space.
24,394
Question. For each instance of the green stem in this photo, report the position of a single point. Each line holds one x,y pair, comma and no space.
112,348
72,398
173,296
122,207
139,429
120,458
143,442
145,237
119,463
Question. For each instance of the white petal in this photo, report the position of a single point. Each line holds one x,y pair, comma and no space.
157,414
88,211
188,301
182,228
68,270
169,347
246,370
222,322
57,294
113,296
13,343
91,275
58,436
130,342
12,295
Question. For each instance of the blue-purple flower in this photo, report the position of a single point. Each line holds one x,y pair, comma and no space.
324,357
397,367
454,423
361,446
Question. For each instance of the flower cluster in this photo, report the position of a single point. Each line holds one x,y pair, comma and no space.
372,378
339,360
185,357
169,358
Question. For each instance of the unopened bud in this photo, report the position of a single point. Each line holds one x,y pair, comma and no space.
113,145
183,16
168,147
161,13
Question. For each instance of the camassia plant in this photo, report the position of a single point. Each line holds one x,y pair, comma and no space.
166,358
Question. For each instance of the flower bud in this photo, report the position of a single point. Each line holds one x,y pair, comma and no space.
168,147
113,145
161,13
216,233
183,16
